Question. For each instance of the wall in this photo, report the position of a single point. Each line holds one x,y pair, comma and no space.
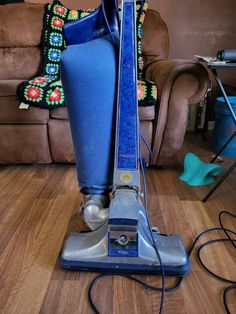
199,27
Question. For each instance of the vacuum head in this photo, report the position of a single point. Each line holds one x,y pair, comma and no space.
125,244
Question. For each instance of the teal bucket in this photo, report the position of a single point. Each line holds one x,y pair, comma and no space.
224,127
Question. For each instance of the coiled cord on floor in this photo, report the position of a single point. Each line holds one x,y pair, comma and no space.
227,232
225,294
179,280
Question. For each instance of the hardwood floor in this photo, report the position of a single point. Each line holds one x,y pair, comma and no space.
38,206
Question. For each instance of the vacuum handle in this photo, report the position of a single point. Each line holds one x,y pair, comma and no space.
227,54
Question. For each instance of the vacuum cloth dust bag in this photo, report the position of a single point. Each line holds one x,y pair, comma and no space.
88,73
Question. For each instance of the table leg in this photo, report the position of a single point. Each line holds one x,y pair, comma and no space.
219,182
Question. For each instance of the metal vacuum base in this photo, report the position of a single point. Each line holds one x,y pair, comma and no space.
124,243
89,252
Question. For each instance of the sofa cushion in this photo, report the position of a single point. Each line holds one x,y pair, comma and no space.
21,24
60,113
10,112
8,87
60,141
145,113
147,130
155,39
19,63
24,143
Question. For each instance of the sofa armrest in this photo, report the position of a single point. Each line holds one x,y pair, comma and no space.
179,83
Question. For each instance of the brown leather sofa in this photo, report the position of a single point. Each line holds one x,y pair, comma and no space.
43,136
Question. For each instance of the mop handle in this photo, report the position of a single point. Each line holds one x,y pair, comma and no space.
126,168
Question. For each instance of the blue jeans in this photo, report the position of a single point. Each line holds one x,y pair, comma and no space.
88,73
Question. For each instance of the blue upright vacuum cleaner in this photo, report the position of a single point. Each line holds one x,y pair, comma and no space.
121,240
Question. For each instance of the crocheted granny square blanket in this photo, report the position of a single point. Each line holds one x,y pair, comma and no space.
45,89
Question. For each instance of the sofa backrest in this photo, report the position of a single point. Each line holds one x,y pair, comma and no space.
20,35
155,39
20,25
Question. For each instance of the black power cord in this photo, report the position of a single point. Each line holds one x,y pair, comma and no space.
142,165
226,291
222,226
